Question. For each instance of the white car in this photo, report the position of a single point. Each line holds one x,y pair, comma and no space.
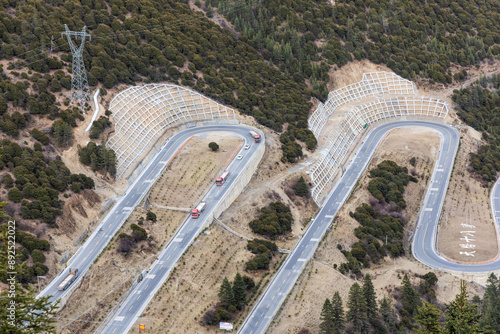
247,147
239,157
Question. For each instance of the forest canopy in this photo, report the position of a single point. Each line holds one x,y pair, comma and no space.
414,38
478,106
152,41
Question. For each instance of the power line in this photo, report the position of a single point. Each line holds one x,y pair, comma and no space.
79,85
117,34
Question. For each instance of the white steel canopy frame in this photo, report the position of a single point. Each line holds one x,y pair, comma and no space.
324,170
371,85
143,113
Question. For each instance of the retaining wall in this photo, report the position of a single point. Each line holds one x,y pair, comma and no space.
239,184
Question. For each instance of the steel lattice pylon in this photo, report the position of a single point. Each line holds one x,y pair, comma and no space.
79,85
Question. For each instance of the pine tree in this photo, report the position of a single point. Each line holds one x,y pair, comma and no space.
491,304
213,146
409,297
326,325
301,188
371,302
337,314
62,132
239,291
32,315
461,316
428,319
388,314
357,309
226,294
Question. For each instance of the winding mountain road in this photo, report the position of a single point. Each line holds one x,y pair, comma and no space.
261,316
113,221
424,237
145,290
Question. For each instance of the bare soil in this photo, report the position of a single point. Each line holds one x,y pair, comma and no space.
352,72
194,169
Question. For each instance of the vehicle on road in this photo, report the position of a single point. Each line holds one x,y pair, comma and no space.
198,210
221,179
255,136
73,273
247,147
239,157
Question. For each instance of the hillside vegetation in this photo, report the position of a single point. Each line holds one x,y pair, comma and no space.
380,219
478,105
152,41
414,38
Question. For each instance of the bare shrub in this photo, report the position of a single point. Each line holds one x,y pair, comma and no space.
24,225
392,207
39,230
379,207
396,214
398,305
125,245
209,318
349,328
304,331
372,200
274,196
290,193
10,209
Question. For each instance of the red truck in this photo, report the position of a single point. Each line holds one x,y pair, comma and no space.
198,210
221,179
255,136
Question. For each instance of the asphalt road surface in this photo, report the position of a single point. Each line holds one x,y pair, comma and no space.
112,222
142,294
424,238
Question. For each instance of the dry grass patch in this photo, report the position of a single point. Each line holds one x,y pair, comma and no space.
468,203
194,285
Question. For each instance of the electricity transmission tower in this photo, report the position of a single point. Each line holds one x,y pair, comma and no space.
79,85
